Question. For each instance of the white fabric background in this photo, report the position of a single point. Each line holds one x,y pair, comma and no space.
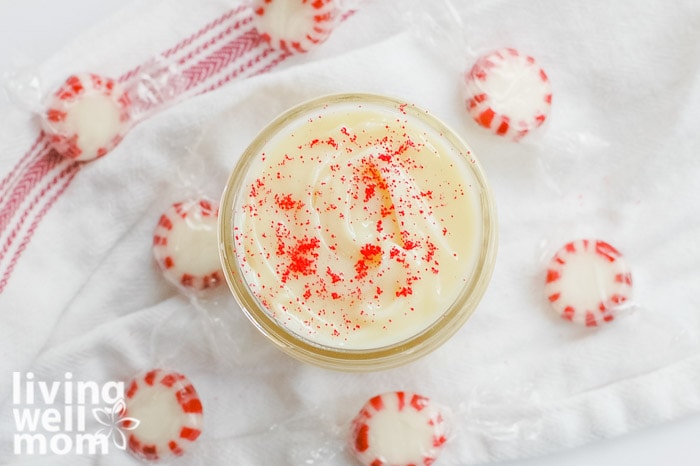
618,160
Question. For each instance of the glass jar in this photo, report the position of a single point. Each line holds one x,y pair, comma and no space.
357,232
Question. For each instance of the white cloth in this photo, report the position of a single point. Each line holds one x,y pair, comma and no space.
617,160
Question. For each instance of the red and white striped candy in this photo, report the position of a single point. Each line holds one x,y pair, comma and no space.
295,25
587,281
186,247
508,93
87,117
169,414
398,429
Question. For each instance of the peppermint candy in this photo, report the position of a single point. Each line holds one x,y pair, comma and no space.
87,117
295,25
185,245
508,93
169,415
587,281
398,429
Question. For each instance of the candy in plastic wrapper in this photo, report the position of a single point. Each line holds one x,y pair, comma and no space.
169,415
398,429
185,245
87,117
508,93
295,25
587,281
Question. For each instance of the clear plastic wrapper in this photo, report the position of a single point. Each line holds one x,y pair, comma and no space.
185,245
591,284
500,413
86,115
23,87
504,89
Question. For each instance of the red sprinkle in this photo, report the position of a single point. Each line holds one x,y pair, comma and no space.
287,203
370,251
302,258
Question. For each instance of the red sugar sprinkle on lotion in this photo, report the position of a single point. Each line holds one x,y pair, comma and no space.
87,117
508,93
169,415
399,429
587,282
372,233
186,247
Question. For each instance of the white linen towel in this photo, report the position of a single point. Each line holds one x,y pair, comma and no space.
618,160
